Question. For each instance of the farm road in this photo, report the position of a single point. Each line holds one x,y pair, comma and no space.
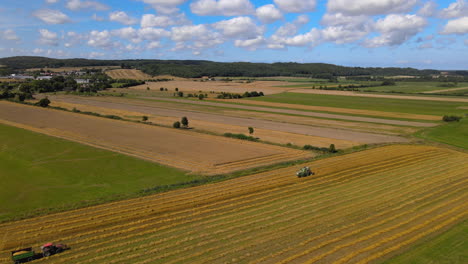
147,108
304,113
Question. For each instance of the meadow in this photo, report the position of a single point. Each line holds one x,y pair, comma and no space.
42,174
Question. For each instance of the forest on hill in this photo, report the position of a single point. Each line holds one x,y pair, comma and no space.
198,68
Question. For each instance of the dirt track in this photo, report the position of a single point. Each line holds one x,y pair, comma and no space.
152,108
183,149
405,97
446,90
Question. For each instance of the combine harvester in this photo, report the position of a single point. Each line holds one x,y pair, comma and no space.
27,254
304,172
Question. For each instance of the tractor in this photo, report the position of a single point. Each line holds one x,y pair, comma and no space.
304,172
51,249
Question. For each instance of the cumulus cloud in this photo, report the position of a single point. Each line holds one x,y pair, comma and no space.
456,26
122,17
250,44
72,38
154,45
222,7
239,27
95,17
428,9
150,20
48,37
94,54
165,6
153,33
310,38
345,29
296,6
370,7
454,10
76,5
268,14
291,28
396,29
9,34
50,16
195,37
52,1
100,39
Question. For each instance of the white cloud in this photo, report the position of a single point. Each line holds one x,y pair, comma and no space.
52,1
222,7
48,37
345,29
239,27
310,38
454,10
153,33
195,37
127,33
370,7
154,45
456,26
291,28
9,34
50,16
268,14
122,17
428,9
250,44
150,20
95,54
100,39
76,5
165,6
296,6
72,38
396,29
425,46
466,42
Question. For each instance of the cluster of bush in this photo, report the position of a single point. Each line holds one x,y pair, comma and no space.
183,122
451,118
224,95
96,114
240,136
123,83
330,149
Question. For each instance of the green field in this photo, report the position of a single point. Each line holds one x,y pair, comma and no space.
413,87
368,103
40,174
449,248
454,133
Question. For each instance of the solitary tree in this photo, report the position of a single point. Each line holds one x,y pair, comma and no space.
176,89
176,124
184,121
251,130
332,148
201,96
180,94
144,118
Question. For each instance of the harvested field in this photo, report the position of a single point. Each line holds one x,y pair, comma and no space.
336,110
199,153
219,128
404,97
128,74
190,86
358,208
274,122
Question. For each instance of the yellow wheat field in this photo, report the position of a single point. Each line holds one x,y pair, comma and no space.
358,208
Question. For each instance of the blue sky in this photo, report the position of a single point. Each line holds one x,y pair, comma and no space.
369,33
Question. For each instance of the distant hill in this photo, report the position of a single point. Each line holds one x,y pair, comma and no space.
198,68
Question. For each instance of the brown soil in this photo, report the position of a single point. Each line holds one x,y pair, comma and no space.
199,153
128,74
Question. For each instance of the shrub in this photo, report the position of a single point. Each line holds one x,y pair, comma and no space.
240,136
44,102
144,118
332,148
201,96
451,118
251,130
180,94
184,121
176,124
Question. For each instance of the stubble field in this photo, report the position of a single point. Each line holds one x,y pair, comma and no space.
358,208
195,152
